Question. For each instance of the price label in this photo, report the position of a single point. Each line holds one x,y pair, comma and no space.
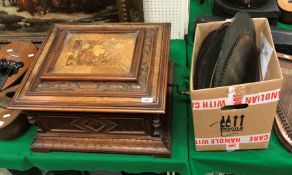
147,100
232,147
30,55
6,116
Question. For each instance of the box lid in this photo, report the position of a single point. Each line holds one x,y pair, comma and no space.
99,68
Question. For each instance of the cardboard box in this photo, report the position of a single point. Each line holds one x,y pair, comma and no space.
246,128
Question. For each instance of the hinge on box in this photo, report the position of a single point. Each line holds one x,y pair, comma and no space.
177,89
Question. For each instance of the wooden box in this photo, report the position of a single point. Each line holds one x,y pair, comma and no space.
100,88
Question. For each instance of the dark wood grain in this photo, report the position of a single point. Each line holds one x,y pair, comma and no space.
18,52
95,114
107,133
37,94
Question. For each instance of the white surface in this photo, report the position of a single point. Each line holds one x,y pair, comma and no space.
4,172
265,56
286,56
147,100
172,11
6,116
30,55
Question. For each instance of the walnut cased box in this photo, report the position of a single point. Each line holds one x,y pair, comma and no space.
100,88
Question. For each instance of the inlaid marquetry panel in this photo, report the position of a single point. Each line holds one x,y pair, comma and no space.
94,124
94,54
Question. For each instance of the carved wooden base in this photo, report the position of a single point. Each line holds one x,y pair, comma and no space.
133,144
107,133
102,133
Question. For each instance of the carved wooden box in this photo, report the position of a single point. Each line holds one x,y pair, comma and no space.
100,88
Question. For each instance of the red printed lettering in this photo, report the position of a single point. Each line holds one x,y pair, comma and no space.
258,138
211,105
254,99
201,142
237,99
195,105
221,103
275,95
248,100
205,104
268,96
262,97
266,137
